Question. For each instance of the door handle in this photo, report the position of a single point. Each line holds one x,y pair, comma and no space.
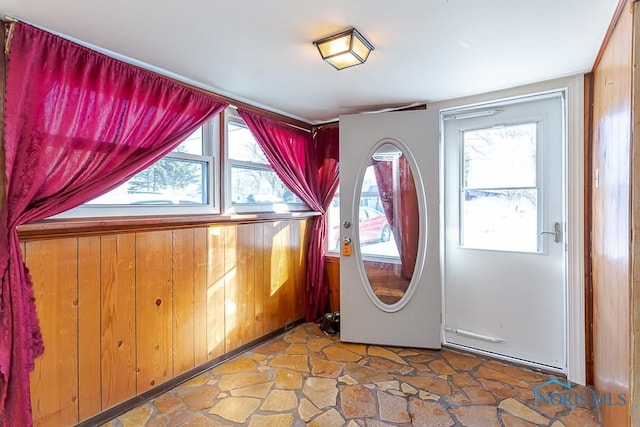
557,232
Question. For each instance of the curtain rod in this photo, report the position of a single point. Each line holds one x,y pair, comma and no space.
8,29
184,81
408,107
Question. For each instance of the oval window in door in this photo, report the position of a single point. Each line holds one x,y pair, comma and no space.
389,226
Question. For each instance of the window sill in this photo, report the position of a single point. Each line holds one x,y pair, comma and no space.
66,227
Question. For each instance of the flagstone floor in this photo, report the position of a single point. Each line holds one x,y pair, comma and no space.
304,377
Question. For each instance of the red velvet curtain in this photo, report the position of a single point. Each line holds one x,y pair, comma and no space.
311,172
328,166
77,124
402,192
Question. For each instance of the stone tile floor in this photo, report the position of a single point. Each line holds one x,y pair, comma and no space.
304,377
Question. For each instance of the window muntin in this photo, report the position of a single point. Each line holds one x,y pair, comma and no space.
253,186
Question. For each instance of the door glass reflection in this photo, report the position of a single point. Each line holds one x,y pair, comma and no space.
388,223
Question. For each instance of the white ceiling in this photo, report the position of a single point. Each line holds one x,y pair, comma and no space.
261,51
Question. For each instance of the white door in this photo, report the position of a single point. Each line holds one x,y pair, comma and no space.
390,284
504,239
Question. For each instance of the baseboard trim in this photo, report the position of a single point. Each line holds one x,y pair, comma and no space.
121,408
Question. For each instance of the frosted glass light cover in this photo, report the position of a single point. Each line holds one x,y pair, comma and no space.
344,49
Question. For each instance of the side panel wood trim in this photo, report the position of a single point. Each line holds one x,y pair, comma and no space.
611,219
609,33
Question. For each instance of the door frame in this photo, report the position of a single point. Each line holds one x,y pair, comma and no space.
573,88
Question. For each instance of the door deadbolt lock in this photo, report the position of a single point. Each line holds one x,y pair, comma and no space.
346,224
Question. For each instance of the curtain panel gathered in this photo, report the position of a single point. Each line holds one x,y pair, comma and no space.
327,170
77,124
400,204
310,170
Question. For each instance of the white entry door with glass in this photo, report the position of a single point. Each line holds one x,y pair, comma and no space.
387,229
504,266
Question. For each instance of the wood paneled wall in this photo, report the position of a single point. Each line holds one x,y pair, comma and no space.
332,270
123,313
611,233
635,223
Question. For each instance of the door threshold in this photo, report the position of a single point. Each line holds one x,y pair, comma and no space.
537,367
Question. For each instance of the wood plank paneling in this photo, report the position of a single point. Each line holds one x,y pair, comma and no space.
118,314
305,230
200,250
154,309
54,381
89,292
332,270
275,274
297,267
635,224
231,284
259,278
183,300
611,220
215,293
286,294
245,284
155,301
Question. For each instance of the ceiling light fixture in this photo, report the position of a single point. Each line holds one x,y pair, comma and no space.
344,49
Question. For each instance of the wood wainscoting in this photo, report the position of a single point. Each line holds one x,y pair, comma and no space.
124,312
332,270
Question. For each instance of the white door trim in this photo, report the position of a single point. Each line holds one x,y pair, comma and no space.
574,92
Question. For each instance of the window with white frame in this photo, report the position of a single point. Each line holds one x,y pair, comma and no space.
186,180
252,184
182,182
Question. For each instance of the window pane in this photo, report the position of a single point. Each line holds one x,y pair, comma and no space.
243,146
259,186
500,219
168,182
375,234
503,157
193,144
372,222
333,236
